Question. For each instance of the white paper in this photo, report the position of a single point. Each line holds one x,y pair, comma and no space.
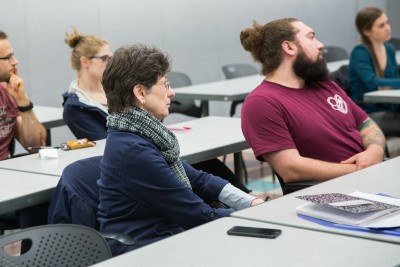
48,153
364,219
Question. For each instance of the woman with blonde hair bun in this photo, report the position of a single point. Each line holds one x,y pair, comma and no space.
85,103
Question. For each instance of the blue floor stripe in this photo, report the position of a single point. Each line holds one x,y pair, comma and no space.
262,186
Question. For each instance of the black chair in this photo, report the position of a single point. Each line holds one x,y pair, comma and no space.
184,106
395,42
335,53
56,245
288,188
232,71
340,77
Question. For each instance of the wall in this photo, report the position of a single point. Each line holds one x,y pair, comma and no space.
393,10
200,36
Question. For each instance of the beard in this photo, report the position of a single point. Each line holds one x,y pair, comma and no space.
4,77
310,71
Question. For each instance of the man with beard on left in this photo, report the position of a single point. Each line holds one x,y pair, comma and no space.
297,120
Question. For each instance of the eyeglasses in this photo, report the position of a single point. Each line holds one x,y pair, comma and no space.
166,86
9,58
104,58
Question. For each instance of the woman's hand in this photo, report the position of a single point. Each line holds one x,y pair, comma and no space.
256,201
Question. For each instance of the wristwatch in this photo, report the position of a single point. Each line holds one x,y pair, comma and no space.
26,108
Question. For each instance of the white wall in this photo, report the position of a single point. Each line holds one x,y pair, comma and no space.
200,36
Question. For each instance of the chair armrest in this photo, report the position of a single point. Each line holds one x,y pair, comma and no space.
122,238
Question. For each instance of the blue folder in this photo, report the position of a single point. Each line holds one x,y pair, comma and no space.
383,231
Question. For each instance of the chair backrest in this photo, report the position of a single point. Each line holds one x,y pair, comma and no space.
335,53
178,79
56,245
288,188
232,71
395,42
340,77
183,106
76,197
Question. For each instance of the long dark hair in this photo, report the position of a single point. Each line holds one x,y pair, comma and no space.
364,21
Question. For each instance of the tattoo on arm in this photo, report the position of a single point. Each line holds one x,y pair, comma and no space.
371,134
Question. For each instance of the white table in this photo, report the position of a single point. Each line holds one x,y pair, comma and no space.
383,96
224,90
335,65
380,178
209,137
49,117
29,180
230,90
33,164
21,189
209,245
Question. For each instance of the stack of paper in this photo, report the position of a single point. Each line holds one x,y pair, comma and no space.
358,209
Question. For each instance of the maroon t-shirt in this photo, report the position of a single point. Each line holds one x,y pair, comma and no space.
8,114
319,120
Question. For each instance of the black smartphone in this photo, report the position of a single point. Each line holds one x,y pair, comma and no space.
254,232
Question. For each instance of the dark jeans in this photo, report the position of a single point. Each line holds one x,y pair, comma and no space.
28,217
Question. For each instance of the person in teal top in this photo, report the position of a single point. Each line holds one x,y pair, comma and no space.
373,67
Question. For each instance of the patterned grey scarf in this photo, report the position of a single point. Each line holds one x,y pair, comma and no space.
139,121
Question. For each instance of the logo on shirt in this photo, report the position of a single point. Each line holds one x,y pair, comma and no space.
6,124
337,103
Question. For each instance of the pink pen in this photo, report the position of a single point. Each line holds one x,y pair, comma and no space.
179,129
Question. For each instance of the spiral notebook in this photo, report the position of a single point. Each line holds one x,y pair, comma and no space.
356,209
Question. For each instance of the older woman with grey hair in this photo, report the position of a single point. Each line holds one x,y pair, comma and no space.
146,191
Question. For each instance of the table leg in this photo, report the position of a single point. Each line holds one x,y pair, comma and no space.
238,166
48,139
204,108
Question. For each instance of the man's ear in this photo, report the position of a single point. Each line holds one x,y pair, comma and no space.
289,48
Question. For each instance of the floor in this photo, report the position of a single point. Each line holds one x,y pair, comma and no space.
260,179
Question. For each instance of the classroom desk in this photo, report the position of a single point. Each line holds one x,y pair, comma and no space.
335,65
224,90
233,89
209,245
21,189
383,96
29,180
229,90
208,138
380,178
50,117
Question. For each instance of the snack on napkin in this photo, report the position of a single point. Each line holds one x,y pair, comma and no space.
75,144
